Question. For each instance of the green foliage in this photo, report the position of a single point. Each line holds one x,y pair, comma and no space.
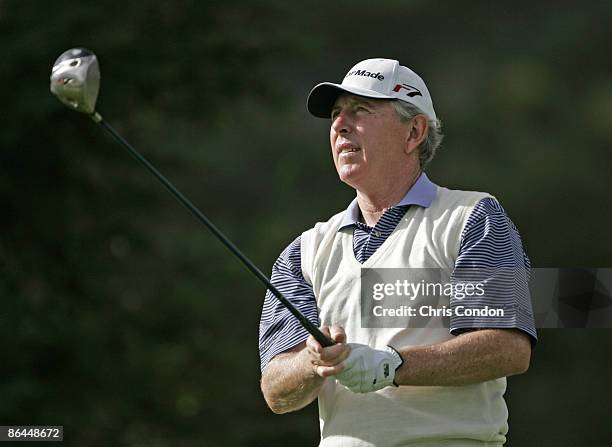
130,326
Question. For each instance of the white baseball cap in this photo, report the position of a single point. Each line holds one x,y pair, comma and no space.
373,78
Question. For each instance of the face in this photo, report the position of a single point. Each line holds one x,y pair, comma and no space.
369,142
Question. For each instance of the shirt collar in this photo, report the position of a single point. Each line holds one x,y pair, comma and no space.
422,193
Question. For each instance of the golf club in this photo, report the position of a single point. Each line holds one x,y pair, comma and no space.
75,80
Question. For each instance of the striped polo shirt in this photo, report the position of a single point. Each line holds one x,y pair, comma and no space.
489,240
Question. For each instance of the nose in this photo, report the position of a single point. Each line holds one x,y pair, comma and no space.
341,123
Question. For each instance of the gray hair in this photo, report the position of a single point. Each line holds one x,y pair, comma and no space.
430,144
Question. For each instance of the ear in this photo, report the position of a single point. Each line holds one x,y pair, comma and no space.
417,132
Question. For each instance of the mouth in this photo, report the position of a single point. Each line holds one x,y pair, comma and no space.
347,148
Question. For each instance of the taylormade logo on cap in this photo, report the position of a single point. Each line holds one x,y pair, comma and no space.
374,78
365,73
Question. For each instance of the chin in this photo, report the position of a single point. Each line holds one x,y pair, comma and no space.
349,177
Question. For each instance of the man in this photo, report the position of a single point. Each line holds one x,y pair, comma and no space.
392,386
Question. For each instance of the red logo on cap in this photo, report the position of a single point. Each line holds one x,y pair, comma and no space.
412,91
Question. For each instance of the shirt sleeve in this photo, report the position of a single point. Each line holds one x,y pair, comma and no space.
492,259
279,330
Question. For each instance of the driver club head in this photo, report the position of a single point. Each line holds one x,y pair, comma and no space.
75,79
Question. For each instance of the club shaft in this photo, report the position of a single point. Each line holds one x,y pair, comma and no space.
306,323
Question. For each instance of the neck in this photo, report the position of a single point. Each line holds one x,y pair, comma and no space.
375,201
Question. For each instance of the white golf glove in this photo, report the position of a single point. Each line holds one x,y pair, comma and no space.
367,369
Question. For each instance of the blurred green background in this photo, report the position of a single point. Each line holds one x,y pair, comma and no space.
128,324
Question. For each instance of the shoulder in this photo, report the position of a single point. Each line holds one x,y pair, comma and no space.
489,210
446,197
332,222
451,208
321,229
291,253
490,235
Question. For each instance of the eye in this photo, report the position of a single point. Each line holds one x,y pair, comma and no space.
361,108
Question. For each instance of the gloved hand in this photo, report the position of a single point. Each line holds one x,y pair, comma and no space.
367,369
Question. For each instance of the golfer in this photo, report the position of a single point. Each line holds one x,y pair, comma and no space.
440,385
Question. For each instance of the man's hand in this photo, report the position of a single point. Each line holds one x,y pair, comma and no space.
367,369
328,361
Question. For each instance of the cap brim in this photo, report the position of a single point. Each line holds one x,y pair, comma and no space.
322,97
